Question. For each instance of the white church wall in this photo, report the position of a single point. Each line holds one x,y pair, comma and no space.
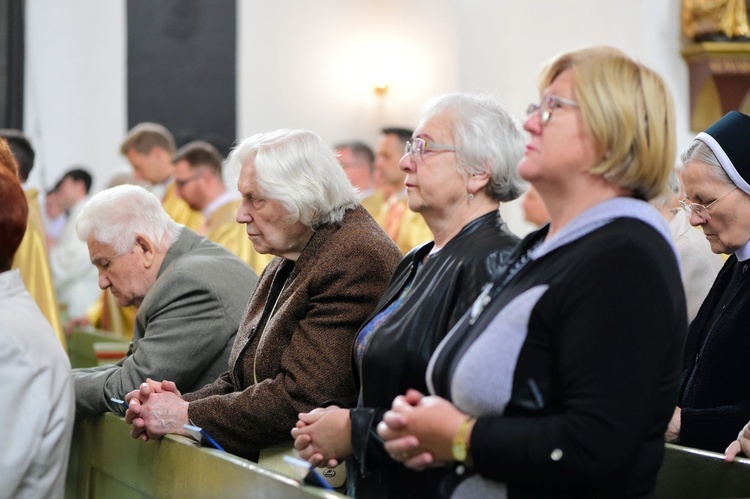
313,65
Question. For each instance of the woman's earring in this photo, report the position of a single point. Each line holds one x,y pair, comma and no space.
471,196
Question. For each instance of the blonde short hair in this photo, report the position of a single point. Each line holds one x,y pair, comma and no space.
628,111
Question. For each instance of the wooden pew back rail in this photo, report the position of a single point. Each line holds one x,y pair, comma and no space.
105,462
694,473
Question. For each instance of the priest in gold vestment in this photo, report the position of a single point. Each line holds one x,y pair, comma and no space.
407,228
31,258
149,148
198,181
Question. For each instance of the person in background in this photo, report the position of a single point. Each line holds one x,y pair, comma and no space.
293,351
150,148
405,227
32,257
190,294
75,279
533,207
699,265
460,165
197,167
34,369
357,160
714,400
561,378
54,217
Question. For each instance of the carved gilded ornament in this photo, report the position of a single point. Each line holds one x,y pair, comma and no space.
704,19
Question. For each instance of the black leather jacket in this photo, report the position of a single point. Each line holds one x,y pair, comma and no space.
397,353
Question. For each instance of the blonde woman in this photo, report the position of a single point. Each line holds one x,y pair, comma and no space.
561,379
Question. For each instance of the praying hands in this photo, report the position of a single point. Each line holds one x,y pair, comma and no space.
155,409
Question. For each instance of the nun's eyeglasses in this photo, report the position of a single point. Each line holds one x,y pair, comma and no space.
699,209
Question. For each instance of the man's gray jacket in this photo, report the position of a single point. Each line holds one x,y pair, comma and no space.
184,329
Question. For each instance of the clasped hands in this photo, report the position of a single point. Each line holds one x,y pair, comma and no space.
418,431
155,409
323,436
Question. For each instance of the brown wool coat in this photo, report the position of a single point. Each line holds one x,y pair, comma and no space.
305,356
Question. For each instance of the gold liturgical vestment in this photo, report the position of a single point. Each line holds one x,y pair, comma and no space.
31,260
373,203
179,210
222,228
407,228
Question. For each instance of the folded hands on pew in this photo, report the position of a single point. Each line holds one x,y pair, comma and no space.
418,430
155,409
323,436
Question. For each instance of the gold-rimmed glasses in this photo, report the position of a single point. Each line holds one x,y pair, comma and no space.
701,210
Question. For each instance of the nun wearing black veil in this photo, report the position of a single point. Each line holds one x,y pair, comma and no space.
714,401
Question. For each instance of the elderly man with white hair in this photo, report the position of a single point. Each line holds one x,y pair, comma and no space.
190,294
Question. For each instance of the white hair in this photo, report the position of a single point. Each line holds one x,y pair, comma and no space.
297,169
115,216
487,139
701,152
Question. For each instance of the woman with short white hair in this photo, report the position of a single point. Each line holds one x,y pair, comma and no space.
292,351
460,165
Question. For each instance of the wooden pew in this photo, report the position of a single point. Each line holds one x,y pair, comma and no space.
92,347
105,462
696,474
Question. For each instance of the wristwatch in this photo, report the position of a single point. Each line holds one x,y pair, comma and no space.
460,447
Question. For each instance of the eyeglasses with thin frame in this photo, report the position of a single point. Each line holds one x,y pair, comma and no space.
417,147
699,209
549,104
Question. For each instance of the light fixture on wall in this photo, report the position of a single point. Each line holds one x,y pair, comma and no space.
373,66
383,66
380,89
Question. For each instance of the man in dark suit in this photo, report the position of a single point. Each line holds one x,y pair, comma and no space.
190,294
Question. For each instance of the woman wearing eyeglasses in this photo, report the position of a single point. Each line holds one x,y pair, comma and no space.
560,380
714,401
459,166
